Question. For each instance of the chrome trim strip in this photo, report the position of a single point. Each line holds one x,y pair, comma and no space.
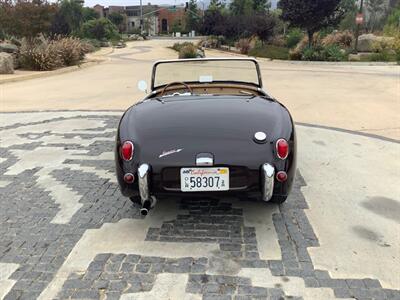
204,161
144,173
267,181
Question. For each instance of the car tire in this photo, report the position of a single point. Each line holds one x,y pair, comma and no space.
278,199
135,199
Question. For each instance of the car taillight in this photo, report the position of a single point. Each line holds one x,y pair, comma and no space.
127,150
281,176
282,148
129,178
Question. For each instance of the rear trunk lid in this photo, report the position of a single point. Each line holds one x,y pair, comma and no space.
174,132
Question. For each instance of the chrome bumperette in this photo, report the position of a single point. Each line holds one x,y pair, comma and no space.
267,181
144,174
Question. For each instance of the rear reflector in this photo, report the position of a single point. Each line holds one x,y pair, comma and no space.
129,178
127,150
281,176
282,148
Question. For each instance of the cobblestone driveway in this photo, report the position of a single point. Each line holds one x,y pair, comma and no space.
66,232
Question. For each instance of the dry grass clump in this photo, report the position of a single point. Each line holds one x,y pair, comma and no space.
342,39
44,54
188,51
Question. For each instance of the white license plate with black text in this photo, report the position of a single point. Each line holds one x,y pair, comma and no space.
204,179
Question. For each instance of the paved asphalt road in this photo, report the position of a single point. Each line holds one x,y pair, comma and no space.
66,232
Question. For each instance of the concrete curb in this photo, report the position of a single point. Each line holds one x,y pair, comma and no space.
305,63
42,74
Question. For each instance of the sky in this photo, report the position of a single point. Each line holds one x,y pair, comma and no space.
91,3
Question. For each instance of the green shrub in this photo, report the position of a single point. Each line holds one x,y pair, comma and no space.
188,51
333,53
270,51
99,29
392,26
385,55
311,54
293,37
91,44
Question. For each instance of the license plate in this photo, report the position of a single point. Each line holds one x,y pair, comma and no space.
204,179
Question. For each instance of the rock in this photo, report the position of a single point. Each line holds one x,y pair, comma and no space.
367,42
105,44
361,56
200,53
354,57
133,37
8,48
140,38
6,63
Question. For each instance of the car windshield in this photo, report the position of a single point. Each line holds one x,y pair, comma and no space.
206,71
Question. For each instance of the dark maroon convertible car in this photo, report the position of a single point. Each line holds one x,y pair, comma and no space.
206,128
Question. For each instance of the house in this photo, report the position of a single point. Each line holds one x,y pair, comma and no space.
150,18
171,19
156,19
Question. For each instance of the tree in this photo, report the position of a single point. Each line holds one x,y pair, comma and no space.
118,20
216,5
176,26
261,6
350,7
60,26
192,17
99,29
392,26
376,10
241,7
24,18
89,14
263,26
71,12
148,24
214,23
311,15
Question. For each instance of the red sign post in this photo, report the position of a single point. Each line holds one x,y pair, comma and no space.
359,19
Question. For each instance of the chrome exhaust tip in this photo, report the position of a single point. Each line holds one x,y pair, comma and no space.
146,206
144,211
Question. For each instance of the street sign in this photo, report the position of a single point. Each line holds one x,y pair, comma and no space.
359,19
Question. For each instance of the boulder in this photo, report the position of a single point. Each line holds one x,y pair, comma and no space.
354,57
133,37
200,53
368,42
361,56
6,63
9,48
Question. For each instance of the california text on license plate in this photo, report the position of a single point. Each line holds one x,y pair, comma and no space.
204,179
